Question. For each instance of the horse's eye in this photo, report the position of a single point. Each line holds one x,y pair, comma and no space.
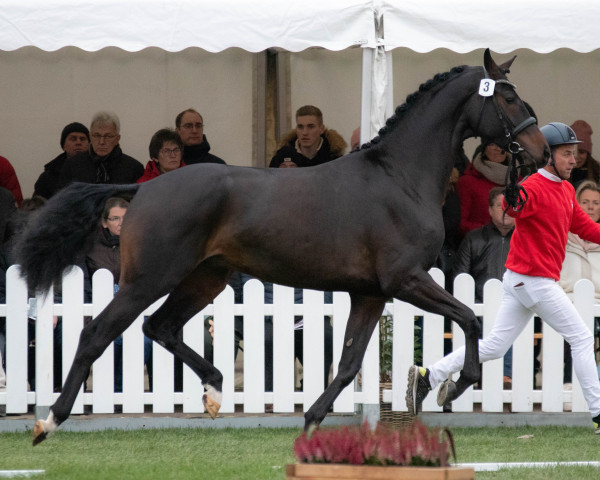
510,100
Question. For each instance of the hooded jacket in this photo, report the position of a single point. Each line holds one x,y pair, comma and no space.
333,147
200,154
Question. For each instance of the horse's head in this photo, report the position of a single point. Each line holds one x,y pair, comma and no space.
503,116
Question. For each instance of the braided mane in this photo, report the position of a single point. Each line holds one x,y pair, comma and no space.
410,101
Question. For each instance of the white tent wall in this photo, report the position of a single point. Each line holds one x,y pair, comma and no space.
43,91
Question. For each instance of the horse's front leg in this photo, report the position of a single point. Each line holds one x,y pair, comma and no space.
423,292
94,338
364,314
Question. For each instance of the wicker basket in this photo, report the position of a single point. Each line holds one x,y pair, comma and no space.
387,416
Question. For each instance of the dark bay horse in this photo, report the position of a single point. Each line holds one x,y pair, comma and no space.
369,223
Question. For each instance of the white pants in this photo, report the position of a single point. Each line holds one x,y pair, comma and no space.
523,297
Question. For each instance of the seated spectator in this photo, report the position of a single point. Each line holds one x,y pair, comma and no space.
106,254
488,170
8,206
582,258
9,180
310,143
104,162
165,149
483,252
74,139
586,168
190,127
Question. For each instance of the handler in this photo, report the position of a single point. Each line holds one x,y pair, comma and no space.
530,282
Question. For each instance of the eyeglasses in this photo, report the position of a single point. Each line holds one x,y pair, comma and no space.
107,137
115,219
170,151
189,126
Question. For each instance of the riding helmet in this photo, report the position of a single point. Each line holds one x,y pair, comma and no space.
557,133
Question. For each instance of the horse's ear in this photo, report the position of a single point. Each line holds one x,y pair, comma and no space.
493,69
505,67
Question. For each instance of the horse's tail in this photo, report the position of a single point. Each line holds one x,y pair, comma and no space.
60,234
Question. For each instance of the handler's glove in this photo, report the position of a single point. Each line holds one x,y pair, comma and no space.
515,196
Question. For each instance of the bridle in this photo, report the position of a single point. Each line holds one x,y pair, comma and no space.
510,133
514,148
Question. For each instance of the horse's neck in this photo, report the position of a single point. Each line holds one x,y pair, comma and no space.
429,137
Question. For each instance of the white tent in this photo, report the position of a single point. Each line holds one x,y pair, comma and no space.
378,26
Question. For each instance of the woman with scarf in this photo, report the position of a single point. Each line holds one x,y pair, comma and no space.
488,170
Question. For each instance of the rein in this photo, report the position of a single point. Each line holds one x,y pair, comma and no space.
514,194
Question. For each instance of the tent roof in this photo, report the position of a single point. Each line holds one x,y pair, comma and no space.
421,25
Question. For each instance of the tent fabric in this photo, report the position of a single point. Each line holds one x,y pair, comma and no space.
174,25
421,25
501,25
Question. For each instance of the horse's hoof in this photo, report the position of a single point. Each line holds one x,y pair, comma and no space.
446,393
310,429
39,434
43,428
212,401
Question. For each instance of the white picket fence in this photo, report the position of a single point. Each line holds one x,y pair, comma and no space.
251,396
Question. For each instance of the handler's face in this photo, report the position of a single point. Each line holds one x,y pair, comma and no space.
564,160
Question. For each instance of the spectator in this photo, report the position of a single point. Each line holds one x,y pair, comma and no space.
74,139
355,139
8,207
105,162
190,127
165,149
451,216
582,259
488,170
587,167
9,180
310,143
106,254
482,254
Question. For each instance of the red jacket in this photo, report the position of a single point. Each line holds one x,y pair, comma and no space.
152,171
9,180
473,189
541,231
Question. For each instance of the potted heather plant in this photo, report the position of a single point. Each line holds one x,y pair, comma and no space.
352,452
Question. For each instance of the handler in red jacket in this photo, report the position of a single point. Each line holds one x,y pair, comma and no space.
530,283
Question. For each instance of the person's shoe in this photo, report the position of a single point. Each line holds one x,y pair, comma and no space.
596,421
417,389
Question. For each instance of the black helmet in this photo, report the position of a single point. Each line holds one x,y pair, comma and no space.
557,133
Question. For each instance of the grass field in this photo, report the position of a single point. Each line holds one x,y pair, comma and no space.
263,453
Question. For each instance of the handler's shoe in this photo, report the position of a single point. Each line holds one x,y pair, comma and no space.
417,389
596,421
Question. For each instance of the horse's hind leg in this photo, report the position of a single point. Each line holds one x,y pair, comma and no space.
94,338
196,291
364,314
422,291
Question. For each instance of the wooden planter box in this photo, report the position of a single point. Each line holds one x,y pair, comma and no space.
328,471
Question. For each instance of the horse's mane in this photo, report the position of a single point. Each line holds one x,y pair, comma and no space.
410,101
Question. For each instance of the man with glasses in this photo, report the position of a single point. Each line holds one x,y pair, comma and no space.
104,162
190,127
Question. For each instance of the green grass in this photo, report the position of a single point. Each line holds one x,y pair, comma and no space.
263,453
